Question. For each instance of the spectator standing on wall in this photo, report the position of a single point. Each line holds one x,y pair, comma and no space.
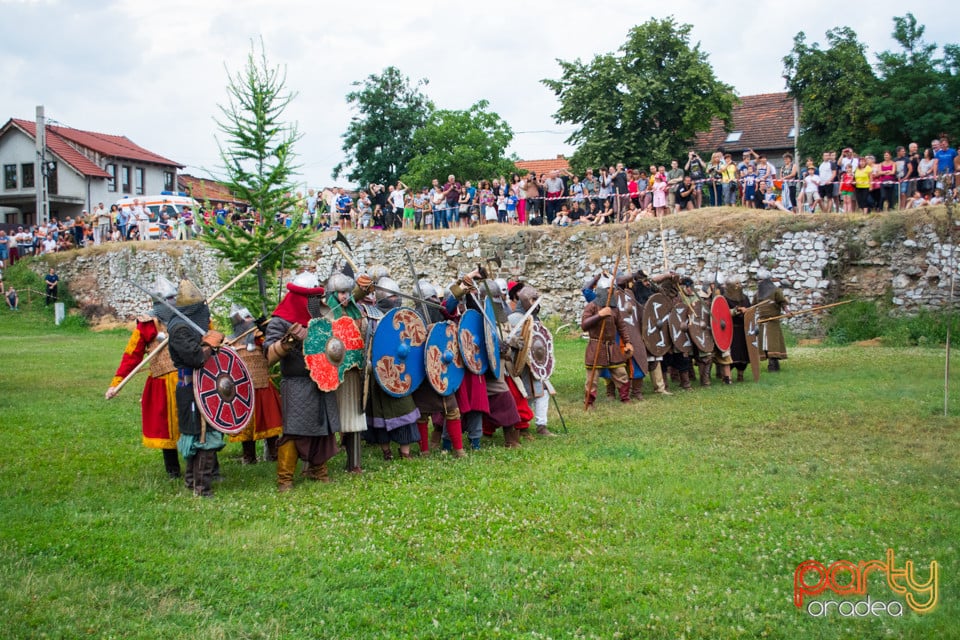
52,281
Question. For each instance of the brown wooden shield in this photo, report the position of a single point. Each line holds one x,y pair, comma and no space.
699,328
630,311
523,353
656,333
752,331
678,323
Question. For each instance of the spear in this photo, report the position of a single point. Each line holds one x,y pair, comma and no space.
592,374
804,311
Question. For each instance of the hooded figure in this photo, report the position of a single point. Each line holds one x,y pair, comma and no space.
771,303
189,351
311,418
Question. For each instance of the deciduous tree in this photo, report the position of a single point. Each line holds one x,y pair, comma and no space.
644,103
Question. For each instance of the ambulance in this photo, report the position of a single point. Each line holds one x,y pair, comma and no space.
167,202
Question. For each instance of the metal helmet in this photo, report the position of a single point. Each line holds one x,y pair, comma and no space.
306,280
387,287
165,289
503,287
378,271
427,289
188,293
340,282
587,281
604,282
239,315
763,273
602,295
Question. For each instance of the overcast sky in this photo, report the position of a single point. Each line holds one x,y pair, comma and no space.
155,71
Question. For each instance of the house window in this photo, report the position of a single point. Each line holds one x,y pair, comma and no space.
138,180
168,180
793,132
112,180
9,176
734,136
125,178
52,185
26,170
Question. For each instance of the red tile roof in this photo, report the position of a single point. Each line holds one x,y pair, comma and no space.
202,189
765,120
544,166
102,143
60,147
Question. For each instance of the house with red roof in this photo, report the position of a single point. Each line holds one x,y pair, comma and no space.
83,168
539,167
763,123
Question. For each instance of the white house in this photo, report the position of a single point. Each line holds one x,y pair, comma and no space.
84,168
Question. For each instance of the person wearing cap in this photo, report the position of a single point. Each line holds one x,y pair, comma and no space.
311,418
158,415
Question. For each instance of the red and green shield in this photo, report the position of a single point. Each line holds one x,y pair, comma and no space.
331,348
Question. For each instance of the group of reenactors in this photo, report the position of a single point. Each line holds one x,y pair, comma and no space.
354,364
662,327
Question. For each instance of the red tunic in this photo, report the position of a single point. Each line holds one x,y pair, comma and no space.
157,404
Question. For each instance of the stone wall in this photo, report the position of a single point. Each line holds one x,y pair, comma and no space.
817,259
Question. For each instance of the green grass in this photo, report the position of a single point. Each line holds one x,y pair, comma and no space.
682,516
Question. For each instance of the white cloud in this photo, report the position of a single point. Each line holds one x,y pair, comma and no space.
155,71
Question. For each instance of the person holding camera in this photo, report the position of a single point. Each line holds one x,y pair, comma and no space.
695,169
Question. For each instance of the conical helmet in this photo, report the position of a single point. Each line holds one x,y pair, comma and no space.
164,289
188,293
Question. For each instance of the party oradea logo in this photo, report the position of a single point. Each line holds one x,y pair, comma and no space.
846,578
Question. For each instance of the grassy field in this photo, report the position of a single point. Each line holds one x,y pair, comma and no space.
676,517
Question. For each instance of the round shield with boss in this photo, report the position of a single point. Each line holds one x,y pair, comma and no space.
721,323
444,368
397,352
491,338
331,348
677,321
699,328
540,357
471,339
223,390
656,332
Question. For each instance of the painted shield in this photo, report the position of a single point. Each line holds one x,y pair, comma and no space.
656,333
522,358
699,328
678,321
470,338
752,331
397,352
721,323
331,348
540,358
223,391
630,311
491,337
444,366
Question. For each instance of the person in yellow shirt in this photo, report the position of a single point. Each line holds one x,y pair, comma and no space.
728,179
861,180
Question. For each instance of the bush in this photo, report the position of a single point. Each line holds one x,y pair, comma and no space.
860,320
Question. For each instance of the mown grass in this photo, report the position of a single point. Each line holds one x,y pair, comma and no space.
682,516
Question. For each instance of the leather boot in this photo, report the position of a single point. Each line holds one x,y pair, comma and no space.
286,465
203,473
705,375
271,453
511,439
591,399
625,392
773,365
611,389
188,465
424,430
171,462
685,381
249,452
739,375
319,472
387,452
435,437
524,434
659,385
216,468
543,431
636,388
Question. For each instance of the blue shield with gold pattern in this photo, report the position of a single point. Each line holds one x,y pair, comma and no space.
470,338
397,352
442,360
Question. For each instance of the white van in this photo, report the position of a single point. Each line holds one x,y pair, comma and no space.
169,202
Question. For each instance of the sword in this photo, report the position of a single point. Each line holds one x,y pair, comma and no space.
533,307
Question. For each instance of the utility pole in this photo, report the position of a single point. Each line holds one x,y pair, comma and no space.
39,170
